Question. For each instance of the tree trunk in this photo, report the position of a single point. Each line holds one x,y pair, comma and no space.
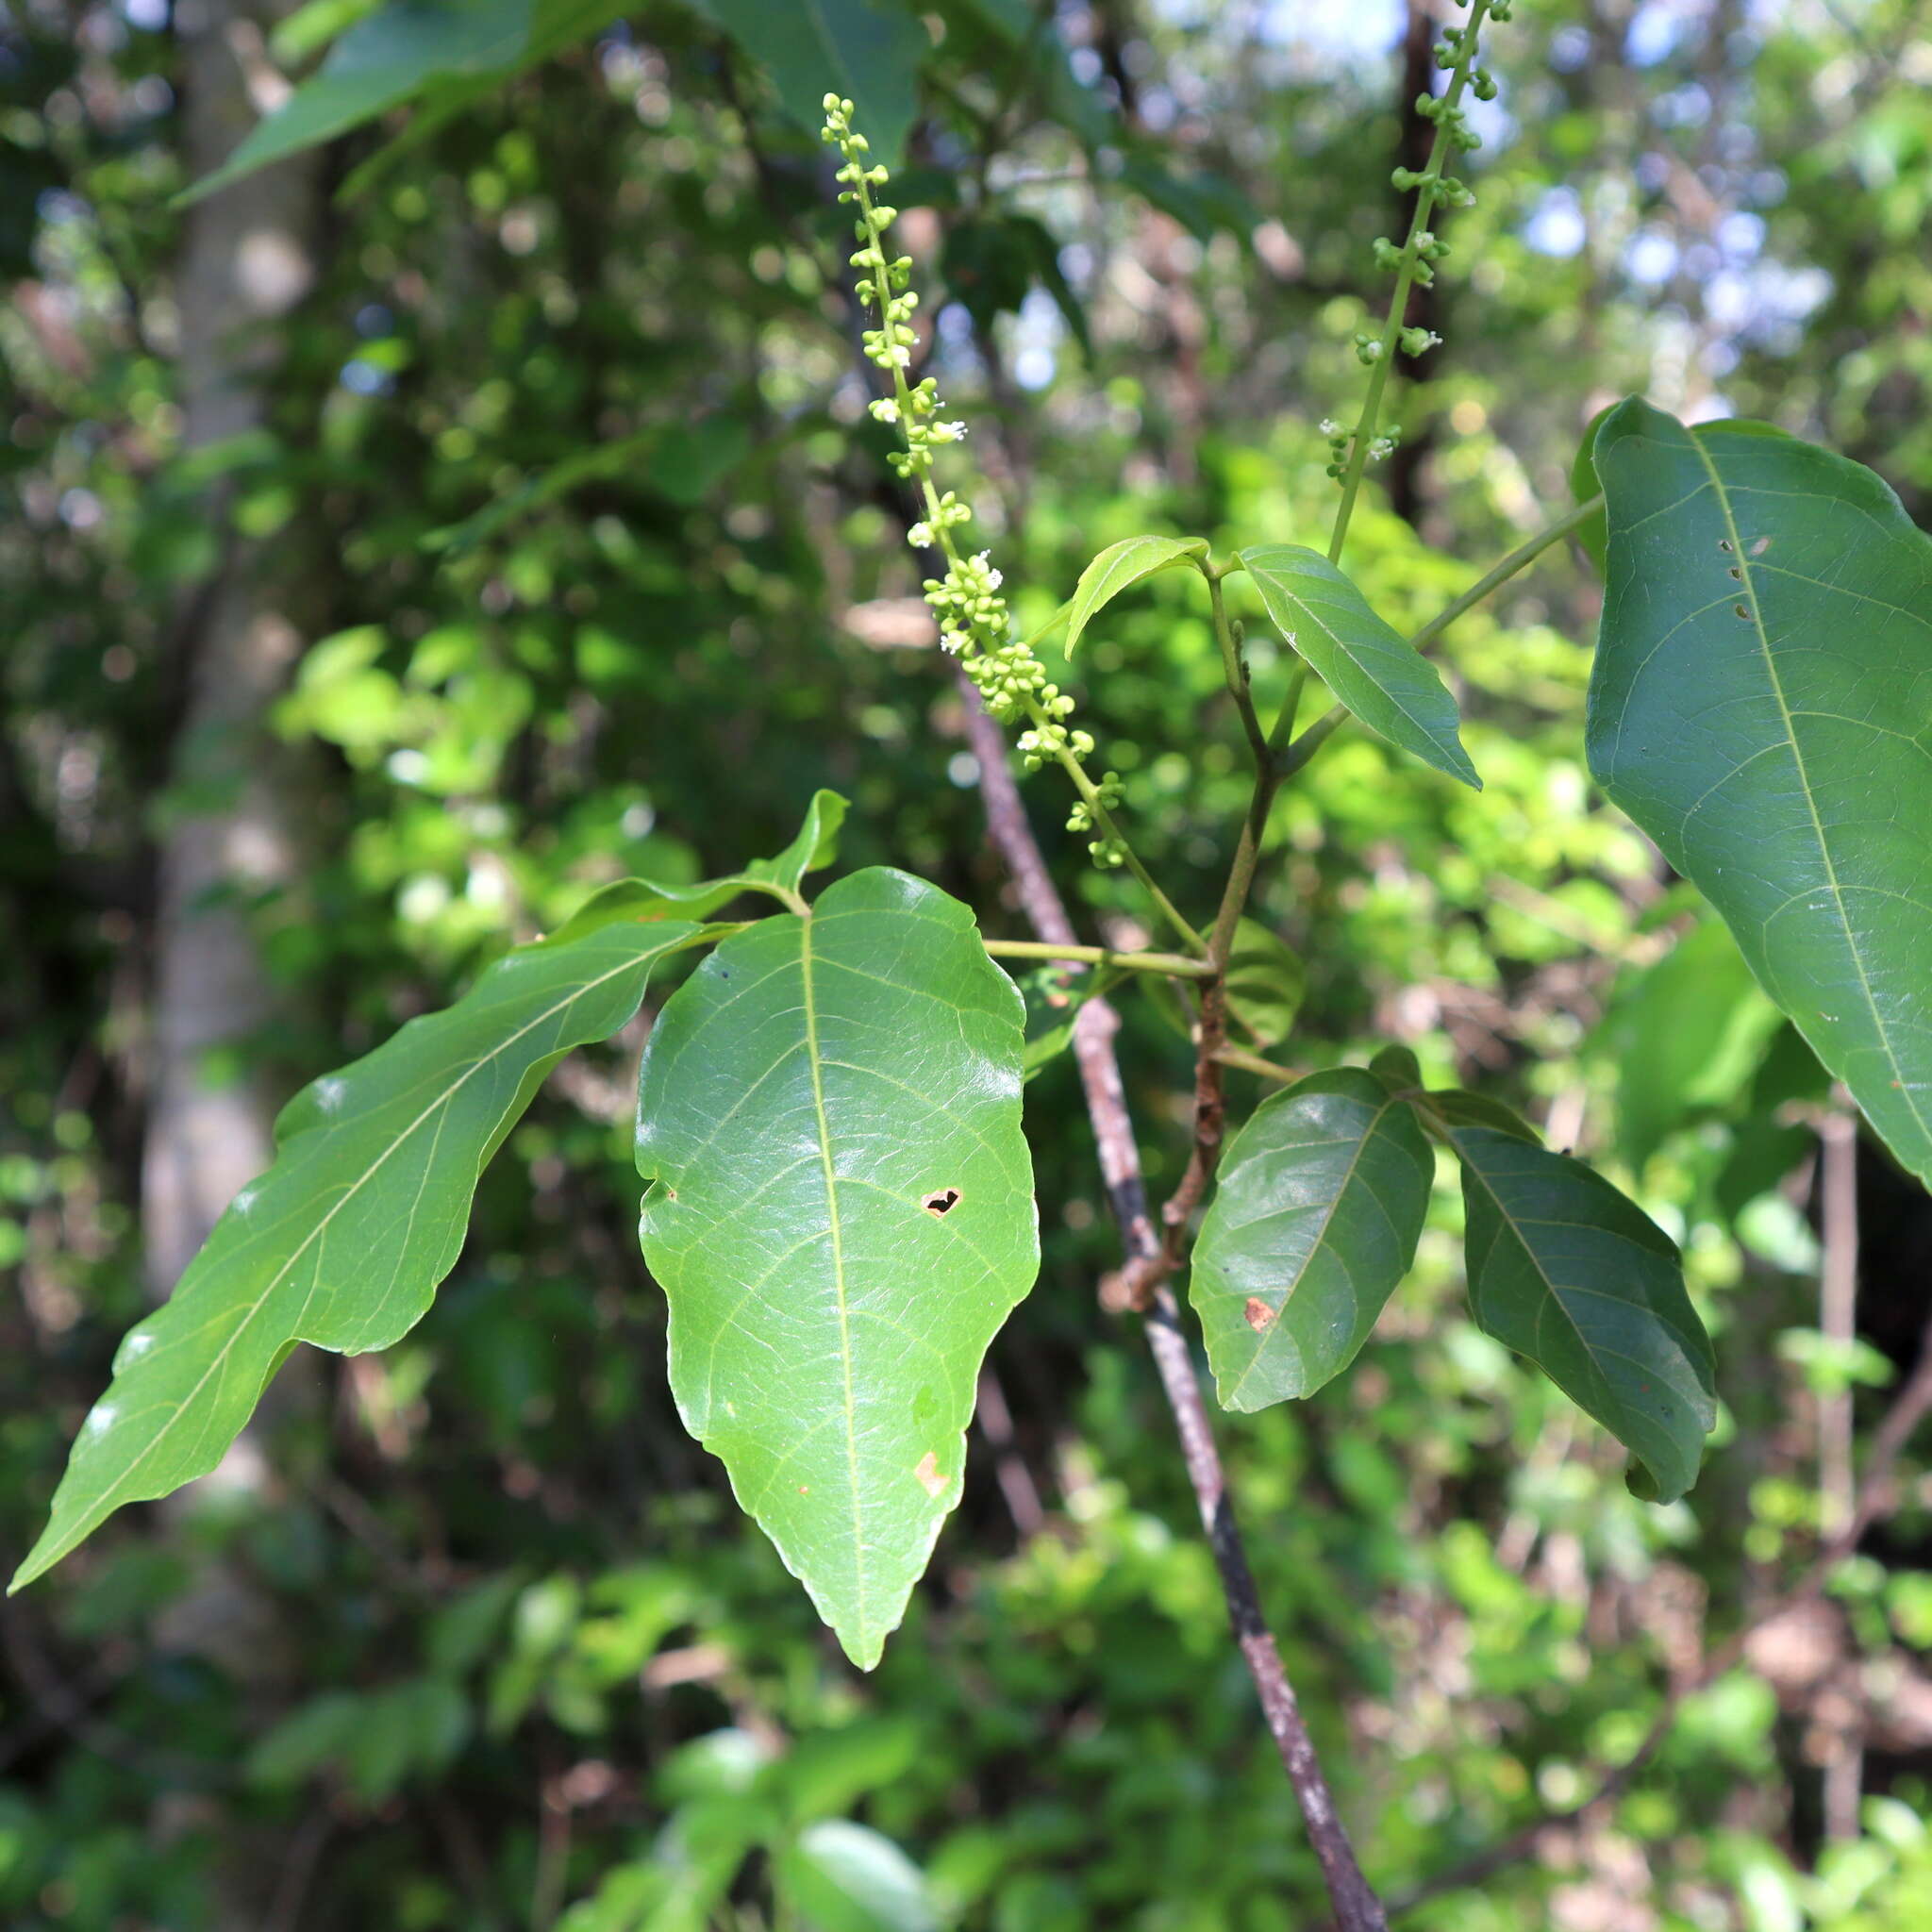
245,261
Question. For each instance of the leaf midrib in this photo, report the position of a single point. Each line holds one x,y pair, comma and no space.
1748,580
808,992
105,1504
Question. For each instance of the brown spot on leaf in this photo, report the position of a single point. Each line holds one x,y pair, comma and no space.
942,1201
930,1480
1260,1317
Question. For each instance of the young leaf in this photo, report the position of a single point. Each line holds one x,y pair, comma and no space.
1314,1222
1567,1272
1761,706
1266,981
343,1242
1119,566
380,63
1368,665
816,845
813,848
843,1217
1053,1002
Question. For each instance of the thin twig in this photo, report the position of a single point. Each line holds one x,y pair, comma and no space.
1357,1908
1173,964
1311,740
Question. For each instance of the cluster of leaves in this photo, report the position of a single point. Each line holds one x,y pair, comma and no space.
528,1360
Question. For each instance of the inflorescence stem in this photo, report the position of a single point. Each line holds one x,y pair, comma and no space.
1420,249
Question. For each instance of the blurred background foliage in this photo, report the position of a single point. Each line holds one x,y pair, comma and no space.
400,544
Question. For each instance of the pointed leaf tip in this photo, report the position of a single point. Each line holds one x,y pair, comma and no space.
841,1217
343,1242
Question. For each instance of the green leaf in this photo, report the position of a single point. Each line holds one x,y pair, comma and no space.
1368,665
846,1877
1266,982
843,1217
1314,1222
1119,566
1685,1036
1761,706
869,50
343,1242
814,848
380,63
1567,1272
1593,533
1054,997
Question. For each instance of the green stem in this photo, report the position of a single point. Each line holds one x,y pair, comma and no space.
1172,964
1105,824
1254,1063
1428,191
1236,671
1519,559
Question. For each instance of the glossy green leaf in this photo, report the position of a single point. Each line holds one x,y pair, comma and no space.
1685,1035
868,50
1567,1272
1314,1220
814,848
843,1217
1119,566
381,61
343,1241
1369,666
1266,982
1761,706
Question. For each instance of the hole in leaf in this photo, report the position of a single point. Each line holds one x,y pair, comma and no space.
1724,543
1736,574
1259,1316
942,1202
1741,612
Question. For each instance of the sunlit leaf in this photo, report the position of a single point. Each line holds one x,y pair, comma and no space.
814,846
1363,661
1564,1270
1761,706
1315,1217
841,1218
1119,566
343,1241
